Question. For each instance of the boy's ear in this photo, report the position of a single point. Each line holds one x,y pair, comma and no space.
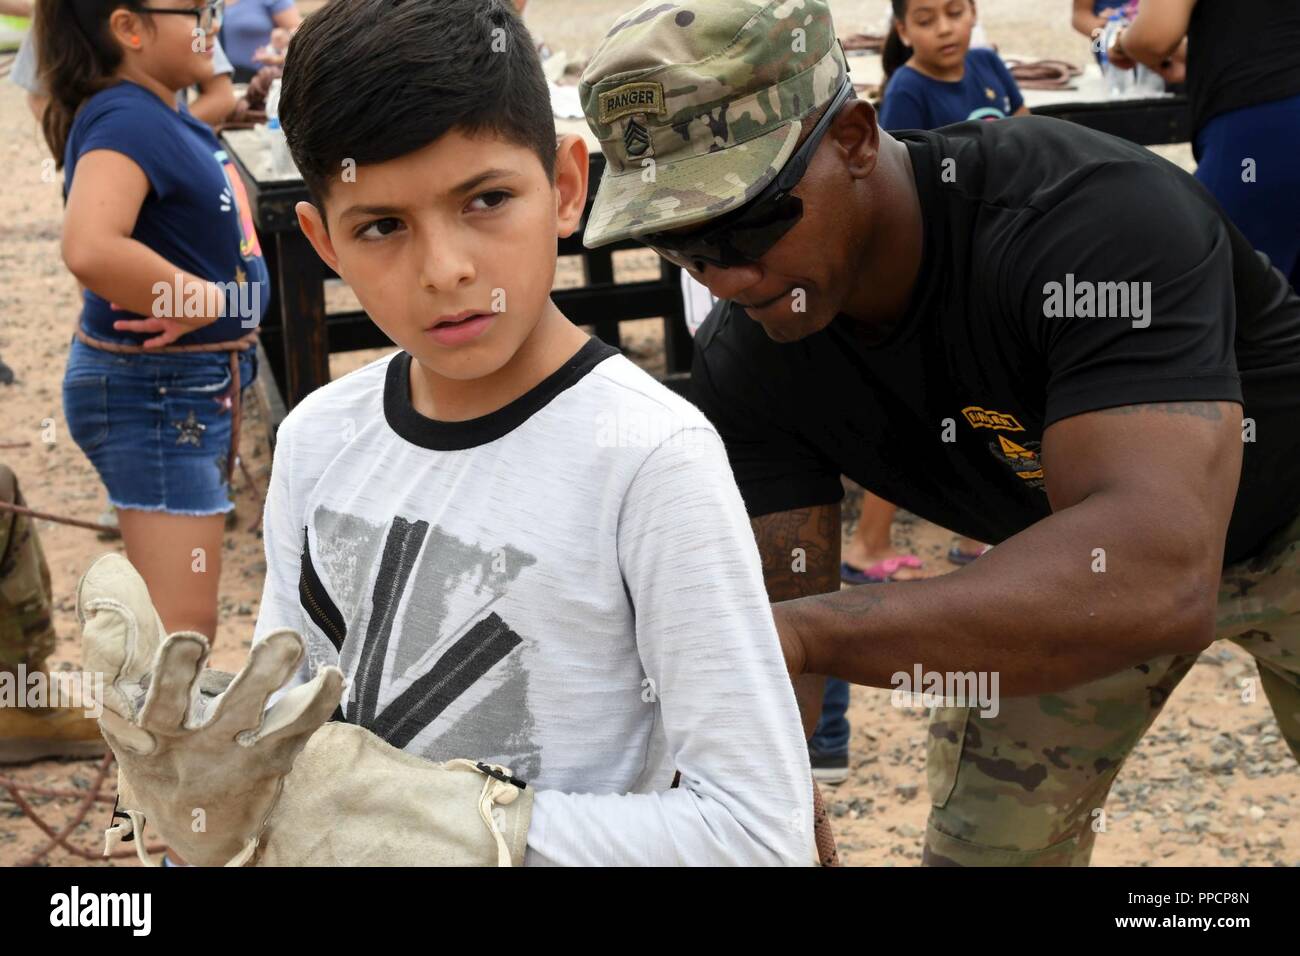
313,227
570,184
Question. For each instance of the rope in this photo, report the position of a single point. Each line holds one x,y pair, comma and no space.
88,799
103,529
1043,74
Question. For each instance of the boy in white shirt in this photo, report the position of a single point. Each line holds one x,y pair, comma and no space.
517,546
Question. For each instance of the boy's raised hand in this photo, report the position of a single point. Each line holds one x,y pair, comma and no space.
199,757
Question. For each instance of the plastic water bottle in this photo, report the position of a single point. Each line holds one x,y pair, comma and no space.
1118,82
1147,82
282,165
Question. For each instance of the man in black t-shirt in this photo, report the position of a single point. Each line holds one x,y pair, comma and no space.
1024,331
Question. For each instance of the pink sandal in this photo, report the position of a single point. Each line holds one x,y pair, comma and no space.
882,572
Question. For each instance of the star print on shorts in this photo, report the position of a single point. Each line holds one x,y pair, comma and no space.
191,430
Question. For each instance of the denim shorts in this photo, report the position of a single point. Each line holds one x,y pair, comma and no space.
153,425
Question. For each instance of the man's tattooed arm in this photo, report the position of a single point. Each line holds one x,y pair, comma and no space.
1207,410
800,551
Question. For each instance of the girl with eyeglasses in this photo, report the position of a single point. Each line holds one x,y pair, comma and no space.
157,230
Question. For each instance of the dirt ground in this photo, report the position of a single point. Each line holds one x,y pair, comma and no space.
1211,783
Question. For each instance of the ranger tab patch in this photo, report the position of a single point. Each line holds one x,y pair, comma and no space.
631,98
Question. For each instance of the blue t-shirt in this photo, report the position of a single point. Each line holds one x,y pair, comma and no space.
246,26
196,214
986,91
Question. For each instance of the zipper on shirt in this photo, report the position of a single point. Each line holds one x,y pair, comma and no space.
316,600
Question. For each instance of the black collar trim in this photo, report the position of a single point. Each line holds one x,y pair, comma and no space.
453,436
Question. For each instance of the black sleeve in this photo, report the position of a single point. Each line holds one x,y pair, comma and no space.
1130,230
738,387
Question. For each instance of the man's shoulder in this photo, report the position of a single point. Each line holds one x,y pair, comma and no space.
1039,165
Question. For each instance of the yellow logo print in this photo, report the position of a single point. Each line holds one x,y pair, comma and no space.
985,418
1012,450
1018,453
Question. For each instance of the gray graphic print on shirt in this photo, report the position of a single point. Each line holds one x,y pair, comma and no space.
427,655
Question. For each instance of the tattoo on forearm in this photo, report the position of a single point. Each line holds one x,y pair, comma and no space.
853,603
807,538
1207,410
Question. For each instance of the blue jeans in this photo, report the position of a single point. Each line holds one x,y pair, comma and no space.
154,426
1266,205
832,733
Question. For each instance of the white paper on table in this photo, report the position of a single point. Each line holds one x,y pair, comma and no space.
698,302
565,103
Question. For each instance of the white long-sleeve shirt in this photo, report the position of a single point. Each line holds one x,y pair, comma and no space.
568,586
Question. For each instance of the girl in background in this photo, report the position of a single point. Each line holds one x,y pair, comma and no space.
932,76
174,282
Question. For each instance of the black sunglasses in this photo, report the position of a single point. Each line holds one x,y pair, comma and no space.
744,235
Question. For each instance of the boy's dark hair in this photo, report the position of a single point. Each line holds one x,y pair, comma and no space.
372,80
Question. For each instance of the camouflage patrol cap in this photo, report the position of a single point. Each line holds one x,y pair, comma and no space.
698,105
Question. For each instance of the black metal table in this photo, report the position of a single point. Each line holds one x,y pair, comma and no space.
1150,122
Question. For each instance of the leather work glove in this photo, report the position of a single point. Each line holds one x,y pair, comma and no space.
225,781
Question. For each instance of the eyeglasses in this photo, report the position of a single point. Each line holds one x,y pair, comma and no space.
207,18
744,235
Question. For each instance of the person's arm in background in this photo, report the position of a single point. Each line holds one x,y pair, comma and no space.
286,20
216,97
285,14
23,73
1085,21
1155,36
16,8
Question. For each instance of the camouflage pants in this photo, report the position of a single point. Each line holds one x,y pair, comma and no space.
1022,788
26,632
